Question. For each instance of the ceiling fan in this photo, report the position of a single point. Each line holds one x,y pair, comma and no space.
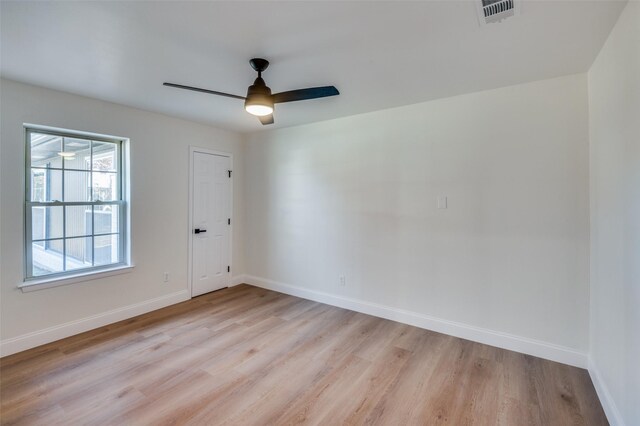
259,100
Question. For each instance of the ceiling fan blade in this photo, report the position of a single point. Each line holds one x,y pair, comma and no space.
304,94
266,119
197,89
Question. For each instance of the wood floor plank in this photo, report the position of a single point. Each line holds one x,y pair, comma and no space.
371,386
249,356
318,400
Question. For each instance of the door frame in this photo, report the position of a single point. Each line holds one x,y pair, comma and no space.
192,151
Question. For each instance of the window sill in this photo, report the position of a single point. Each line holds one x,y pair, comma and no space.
35,285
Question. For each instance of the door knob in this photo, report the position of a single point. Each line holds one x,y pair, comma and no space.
199,231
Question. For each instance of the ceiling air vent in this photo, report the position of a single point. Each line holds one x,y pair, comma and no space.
490,11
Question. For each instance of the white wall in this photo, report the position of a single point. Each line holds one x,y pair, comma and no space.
159,187
357,196
614,118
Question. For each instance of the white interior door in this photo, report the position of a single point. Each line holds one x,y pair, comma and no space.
211,220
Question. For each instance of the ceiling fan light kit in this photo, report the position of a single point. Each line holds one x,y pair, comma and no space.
258,109
259,100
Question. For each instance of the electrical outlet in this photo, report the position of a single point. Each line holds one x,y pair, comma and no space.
166,277
343,281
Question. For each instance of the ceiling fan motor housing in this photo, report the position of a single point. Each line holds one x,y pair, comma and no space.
259,94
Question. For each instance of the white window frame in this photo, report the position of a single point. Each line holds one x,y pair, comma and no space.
123,202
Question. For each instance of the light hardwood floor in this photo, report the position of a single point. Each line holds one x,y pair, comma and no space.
245,355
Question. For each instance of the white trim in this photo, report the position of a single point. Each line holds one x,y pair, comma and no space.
606,400
57,332
498,339
192,150
35,285
237,280
125,163
80,133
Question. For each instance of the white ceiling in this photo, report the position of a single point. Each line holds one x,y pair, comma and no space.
378,54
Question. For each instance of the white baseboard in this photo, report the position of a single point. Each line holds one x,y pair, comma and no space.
51,334
608,404
237,280
477,334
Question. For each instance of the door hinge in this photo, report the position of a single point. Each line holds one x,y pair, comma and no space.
229,173
228,268
229,221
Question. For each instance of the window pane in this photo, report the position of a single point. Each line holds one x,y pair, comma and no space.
78,219
77,153
46,185
47,257
78,253
105,186
46,222
106,249
105,219
45,149
76,186
105,156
